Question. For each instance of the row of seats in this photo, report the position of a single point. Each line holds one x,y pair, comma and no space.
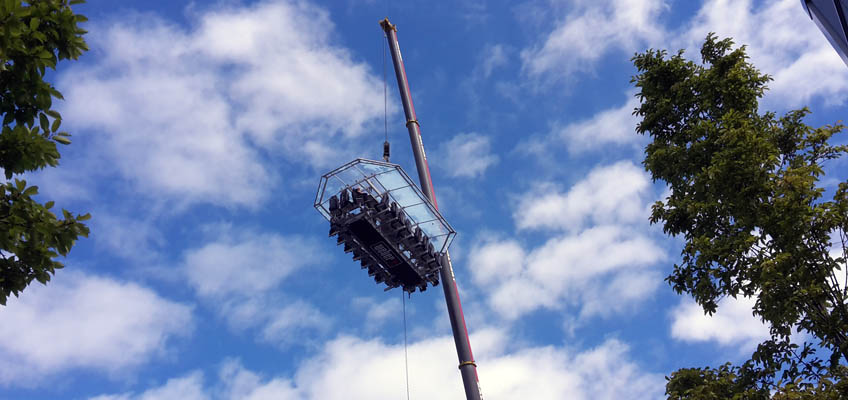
367,226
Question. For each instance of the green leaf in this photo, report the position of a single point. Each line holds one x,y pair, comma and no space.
55,93
45,123
33,23
55,126
31,191
40,36
62,139
48,205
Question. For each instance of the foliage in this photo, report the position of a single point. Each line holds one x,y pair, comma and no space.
730,382
725,382
747,199
34,36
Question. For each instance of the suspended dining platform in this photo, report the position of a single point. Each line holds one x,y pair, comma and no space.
378,214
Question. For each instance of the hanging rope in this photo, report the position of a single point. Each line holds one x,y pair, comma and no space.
386,149
405,355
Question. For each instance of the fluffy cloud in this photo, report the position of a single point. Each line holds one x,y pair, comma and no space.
611,127
292,323
189,387
601,270
192,114
377,312
790,48
82,321
130,238
600,265
782,41
732,325
612,193
238,273
244,262
467,155
589,31
373,370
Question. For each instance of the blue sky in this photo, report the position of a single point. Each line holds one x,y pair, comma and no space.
201,130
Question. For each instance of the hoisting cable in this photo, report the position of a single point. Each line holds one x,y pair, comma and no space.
405,355
386,149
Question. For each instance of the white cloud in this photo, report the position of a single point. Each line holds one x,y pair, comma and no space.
190,114
239,274
467,155
610,127
494,56
611,193
294,79
293,323
373,370
127,237
245,262
782,41
599,261
241,383
536,372
571,270
622,293
189,387
493,260
377,312
589,31
733,324
81,321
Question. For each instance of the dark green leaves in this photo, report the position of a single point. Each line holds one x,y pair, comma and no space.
23,149
747,199
34,36
31,236
42,118
725,382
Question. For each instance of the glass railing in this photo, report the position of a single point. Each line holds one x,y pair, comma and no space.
385,179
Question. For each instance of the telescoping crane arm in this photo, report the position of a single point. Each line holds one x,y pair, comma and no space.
467,366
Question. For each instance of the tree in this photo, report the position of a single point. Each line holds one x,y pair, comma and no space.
34,36
746,196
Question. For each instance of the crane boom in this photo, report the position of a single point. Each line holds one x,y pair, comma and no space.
467,366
